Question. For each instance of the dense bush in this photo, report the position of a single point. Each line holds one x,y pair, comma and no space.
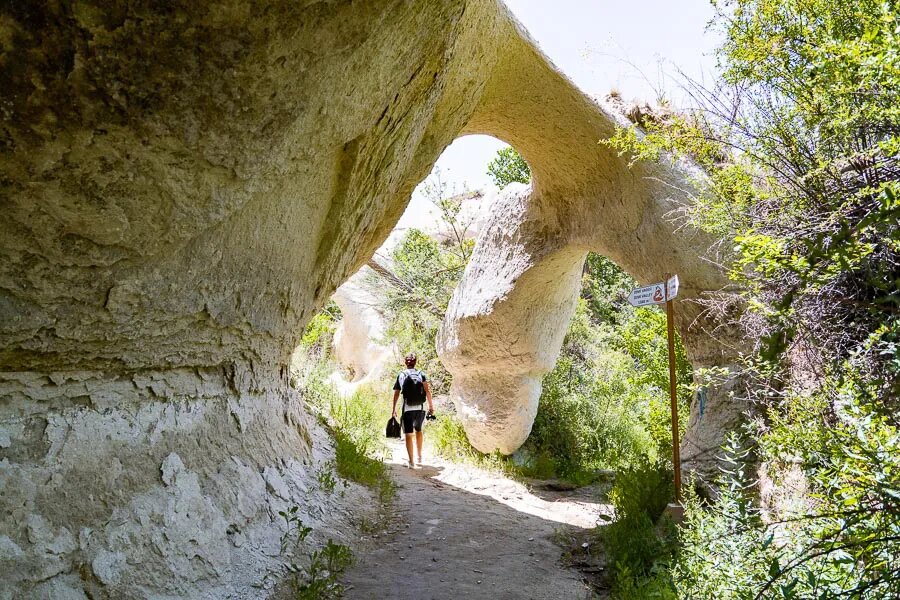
605,405
640,544
800,146
590,416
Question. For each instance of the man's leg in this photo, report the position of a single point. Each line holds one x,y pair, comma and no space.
409,447
420,437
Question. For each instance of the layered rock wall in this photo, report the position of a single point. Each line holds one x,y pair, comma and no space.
183,184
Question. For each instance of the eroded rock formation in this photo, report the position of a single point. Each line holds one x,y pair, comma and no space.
507,319
183,184
359,344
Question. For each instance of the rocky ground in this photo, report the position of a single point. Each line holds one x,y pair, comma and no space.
461,532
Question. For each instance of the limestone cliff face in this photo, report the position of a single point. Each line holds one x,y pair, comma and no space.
183,184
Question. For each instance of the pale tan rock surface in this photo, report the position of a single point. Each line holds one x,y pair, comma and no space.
359,339
183,185
507,319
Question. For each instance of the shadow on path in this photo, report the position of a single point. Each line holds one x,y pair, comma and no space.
460,532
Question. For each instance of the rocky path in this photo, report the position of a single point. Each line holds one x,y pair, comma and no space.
460,532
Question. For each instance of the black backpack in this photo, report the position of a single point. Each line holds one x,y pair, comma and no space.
413,387
392,430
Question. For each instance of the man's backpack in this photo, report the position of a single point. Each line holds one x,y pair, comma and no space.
413,387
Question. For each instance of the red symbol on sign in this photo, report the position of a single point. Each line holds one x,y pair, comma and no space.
658,295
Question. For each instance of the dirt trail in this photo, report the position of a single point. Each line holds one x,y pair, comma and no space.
463,532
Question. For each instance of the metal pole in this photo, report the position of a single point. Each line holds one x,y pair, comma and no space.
673,395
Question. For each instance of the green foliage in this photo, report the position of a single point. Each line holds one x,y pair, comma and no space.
508,167
294,528
639,544
414,314
606,405
645,339
319,332
431,273
730,535
357,426
449,440
841,541
426,274
800,148
319,579
590,417
810,193
359,441
605,288
325,477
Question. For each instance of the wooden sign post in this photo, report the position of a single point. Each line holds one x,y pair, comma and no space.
664,293
671,292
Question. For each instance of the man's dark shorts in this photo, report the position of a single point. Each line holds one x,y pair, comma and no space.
412,420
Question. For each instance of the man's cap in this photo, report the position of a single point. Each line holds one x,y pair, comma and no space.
411,356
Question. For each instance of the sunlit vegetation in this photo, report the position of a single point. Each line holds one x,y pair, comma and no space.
799,143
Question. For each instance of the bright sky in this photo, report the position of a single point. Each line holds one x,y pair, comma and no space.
636,47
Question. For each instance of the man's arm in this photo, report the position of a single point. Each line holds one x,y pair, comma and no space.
428,396
394,407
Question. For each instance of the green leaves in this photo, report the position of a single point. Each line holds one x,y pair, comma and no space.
508,167
800,144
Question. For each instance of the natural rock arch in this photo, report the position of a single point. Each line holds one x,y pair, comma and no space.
507,320
182,186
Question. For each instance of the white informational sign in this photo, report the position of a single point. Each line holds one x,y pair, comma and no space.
672,287
648,294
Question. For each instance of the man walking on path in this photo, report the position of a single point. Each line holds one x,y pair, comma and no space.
414,386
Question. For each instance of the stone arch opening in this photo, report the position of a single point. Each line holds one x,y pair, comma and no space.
450,206
522,281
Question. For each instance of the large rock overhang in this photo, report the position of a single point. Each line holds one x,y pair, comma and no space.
183,184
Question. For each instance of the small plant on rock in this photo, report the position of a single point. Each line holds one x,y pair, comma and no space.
295,528
325,477
320,577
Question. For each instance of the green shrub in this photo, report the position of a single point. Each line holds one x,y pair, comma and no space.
319,332
356,424
414,313
602,406
640,543
449,440
589,425
842,540
319,579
